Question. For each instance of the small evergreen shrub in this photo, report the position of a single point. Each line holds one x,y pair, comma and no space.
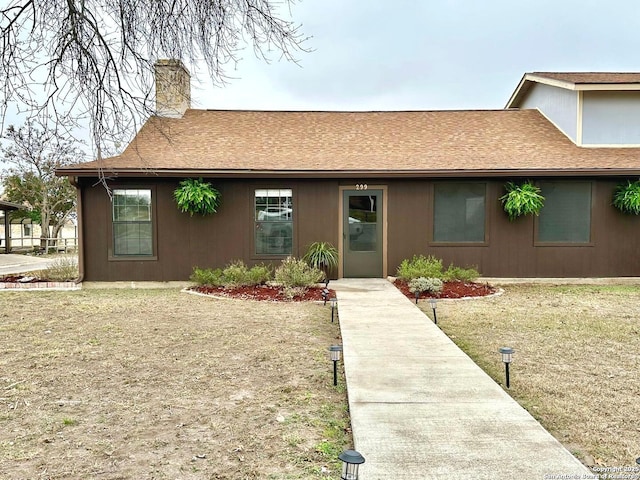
626,197
295,276
207,276
522,199
259,274
420,266
423,284
461,274
235,274
63,269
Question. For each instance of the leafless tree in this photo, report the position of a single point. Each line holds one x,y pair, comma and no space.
94,59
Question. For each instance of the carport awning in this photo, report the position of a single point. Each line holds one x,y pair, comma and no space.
6,206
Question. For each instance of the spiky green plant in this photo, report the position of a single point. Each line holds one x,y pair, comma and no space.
626,197
197,196
323,256
522,199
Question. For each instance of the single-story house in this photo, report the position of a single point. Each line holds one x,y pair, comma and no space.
381,186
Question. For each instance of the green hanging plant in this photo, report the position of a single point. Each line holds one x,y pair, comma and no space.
523,199
626,197
197,196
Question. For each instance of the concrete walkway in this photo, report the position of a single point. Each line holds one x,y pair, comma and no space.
421,409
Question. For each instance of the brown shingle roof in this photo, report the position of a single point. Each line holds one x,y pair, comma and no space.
320,143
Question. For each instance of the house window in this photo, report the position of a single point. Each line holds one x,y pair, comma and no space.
27,229
132,222
459,212
566,215
274,221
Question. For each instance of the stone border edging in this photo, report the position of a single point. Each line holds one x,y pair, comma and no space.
39,286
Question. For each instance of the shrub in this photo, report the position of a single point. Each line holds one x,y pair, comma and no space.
420,266
459,273
259,274
522,199
235,274
62,269
295,276
626,197
422,284
207,276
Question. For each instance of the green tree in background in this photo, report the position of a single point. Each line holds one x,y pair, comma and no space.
29,156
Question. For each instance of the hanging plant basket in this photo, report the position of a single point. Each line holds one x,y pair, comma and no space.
197,196
523,199
626,197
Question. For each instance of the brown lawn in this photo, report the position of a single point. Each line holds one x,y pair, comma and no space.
158,384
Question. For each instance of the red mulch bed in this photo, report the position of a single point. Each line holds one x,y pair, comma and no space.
274,294
454,289
263,292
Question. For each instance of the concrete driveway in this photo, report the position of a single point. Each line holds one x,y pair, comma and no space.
11,263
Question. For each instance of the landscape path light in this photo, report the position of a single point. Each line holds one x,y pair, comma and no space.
417,294
507,357
334,306
351,461
434,304
325,295
334,351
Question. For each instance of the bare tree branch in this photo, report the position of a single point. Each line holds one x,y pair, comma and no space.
87,59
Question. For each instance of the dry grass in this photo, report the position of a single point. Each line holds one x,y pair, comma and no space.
576,364
160,384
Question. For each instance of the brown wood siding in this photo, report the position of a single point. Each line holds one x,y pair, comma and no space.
208,242
510,251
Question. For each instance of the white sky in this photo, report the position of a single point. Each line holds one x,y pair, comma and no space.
429,54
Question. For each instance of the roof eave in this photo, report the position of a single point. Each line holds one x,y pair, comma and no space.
355,174
529,78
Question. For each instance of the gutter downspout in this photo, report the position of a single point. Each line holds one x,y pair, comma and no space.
74,181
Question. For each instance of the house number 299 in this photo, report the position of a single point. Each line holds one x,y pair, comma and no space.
361,186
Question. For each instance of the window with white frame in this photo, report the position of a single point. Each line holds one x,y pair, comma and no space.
273,221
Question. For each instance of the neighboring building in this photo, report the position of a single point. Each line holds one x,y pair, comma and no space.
24,235
381,186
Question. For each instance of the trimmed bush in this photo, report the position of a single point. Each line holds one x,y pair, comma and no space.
295,276
235,274
461,274
207,276
420,266
422,284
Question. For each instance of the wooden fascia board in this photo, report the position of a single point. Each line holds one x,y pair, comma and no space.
528,79
519,92
355,174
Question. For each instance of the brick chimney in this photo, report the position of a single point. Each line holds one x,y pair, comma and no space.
173,88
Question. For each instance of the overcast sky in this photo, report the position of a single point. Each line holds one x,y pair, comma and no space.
430,54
